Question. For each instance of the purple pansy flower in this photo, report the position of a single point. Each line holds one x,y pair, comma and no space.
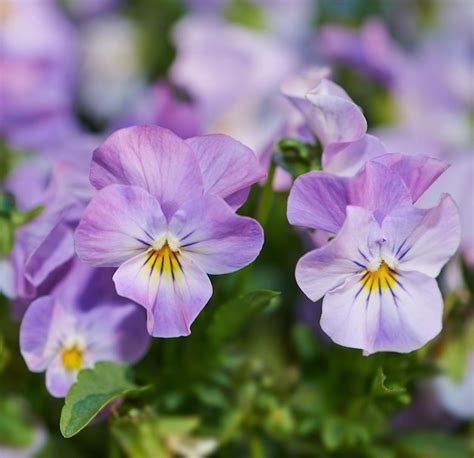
79,324
162,216
383,249
378,279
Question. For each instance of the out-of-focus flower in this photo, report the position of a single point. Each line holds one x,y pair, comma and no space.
37,63
378,279
74,327
190,447
160,216
160,105
369,48
457,397
110,68
231,78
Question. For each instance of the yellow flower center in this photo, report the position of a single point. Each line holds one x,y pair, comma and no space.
164,261
72,358
382,278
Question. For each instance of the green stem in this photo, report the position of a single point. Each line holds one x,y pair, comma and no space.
263,210
256,447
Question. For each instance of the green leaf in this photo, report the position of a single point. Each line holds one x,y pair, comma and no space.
94,389
16,429
382,387
231,316
430,444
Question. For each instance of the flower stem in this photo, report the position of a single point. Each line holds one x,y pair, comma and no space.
263,210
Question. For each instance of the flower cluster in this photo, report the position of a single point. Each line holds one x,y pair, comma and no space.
141,172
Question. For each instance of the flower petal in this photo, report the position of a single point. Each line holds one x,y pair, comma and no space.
43,324
346,159
213,236
227,166
173,292
423,240
330,266
58,379
379,189
124,336
400,318
150,157
335,118
418,172
119,222
318,200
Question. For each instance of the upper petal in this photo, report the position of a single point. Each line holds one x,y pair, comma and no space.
43,324
379,189
400,318
335,118
119,222
423,240
417,172
346,159
318,200
326,268
227,166
172,289
150,157
217,239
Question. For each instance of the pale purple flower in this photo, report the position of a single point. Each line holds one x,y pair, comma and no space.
79,323
378,279
369,49
457,396
377,274
233,79
37,64
162,216
334,119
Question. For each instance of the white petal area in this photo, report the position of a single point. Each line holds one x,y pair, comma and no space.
401,318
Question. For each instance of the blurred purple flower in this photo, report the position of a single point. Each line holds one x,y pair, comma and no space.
86,9
74,327
457,397
232,79
37,66
160,106
160,216
369,48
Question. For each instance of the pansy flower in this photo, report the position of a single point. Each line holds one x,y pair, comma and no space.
164,217
377,275
79,324
378,279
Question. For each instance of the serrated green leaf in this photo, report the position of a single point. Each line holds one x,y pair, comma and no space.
381,387
95,388
232,315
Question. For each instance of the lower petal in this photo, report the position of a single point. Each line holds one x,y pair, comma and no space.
400,318
59,379
173,291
